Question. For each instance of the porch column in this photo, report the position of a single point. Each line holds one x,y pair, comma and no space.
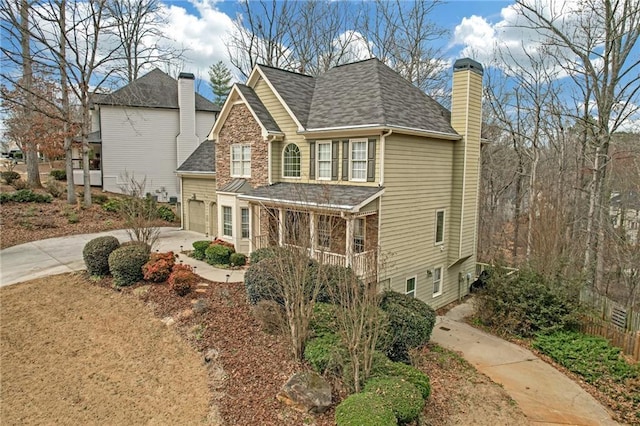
312,234
281,227
349,242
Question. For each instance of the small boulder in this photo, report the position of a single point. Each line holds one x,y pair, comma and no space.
307,391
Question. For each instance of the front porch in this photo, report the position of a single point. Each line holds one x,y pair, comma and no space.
331,239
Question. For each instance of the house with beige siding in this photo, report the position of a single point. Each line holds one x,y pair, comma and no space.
373,173
147,129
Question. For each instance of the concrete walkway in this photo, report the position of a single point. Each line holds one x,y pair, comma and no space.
53,256
546,396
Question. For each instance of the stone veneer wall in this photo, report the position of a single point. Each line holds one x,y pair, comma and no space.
241,128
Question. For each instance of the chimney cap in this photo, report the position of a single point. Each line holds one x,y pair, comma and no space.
468,64
186,75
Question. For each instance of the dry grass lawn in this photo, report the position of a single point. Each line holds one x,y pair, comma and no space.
74,353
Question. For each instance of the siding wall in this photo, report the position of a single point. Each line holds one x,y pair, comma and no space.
142,142
204,188
417,183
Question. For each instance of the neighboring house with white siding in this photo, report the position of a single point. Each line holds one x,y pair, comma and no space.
363,161
147,129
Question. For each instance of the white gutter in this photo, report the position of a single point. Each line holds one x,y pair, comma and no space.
269,160
383,144
377,128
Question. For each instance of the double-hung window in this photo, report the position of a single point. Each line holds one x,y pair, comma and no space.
324,160
240,160
244,222
359,159
410,289
439,226
437,281
358,235
227,221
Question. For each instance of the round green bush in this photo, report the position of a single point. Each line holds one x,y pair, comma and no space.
238,259
331,276
263,253
112,205
403,398
165,213
364,409
96,254
411,322
126,262
58,174
323,353
10,176
217,254
384,367
323,319
199,247
260,283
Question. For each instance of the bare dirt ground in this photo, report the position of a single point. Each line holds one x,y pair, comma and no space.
74,353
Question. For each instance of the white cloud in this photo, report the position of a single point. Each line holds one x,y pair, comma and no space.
205,36
477,35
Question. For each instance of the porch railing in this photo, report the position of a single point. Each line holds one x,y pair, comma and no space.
363,264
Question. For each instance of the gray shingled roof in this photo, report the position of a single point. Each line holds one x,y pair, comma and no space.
295,89
236,186
153,90
258,107
203,159
340,197
357,94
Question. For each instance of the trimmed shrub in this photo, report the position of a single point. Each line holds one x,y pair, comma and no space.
165,213
25,196
96,254
142,244
403,398
323,320
364,409
112,205
217,254
10,176
411,322
126,262
260,283
332,275
58,174
199,248
159,266
384,367
182,279
55,188
527,303
237,259
227,244
323,353
263,253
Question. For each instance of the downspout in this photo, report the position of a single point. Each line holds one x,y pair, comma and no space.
383,144
181,206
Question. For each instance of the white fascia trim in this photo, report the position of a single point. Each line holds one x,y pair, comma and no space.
378,194
196,174
377,128
268,200
251,81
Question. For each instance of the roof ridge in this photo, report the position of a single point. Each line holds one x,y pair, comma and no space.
381,104
358,62
285,70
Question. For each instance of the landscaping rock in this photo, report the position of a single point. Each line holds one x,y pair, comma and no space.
211,355
307,392
168,321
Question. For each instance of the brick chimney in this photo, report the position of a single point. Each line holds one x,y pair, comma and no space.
466,119
187,140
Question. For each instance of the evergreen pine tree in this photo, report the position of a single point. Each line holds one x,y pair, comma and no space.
219,80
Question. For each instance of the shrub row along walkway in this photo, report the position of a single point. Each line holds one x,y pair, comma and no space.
53,256
544,395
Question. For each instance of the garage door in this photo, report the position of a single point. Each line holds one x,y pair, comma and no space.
196,216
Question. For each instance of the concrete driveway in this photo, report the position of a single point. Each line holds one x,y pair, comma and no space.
53,256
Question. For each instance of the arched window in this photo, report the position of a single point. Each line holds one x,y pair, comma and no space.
291,166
